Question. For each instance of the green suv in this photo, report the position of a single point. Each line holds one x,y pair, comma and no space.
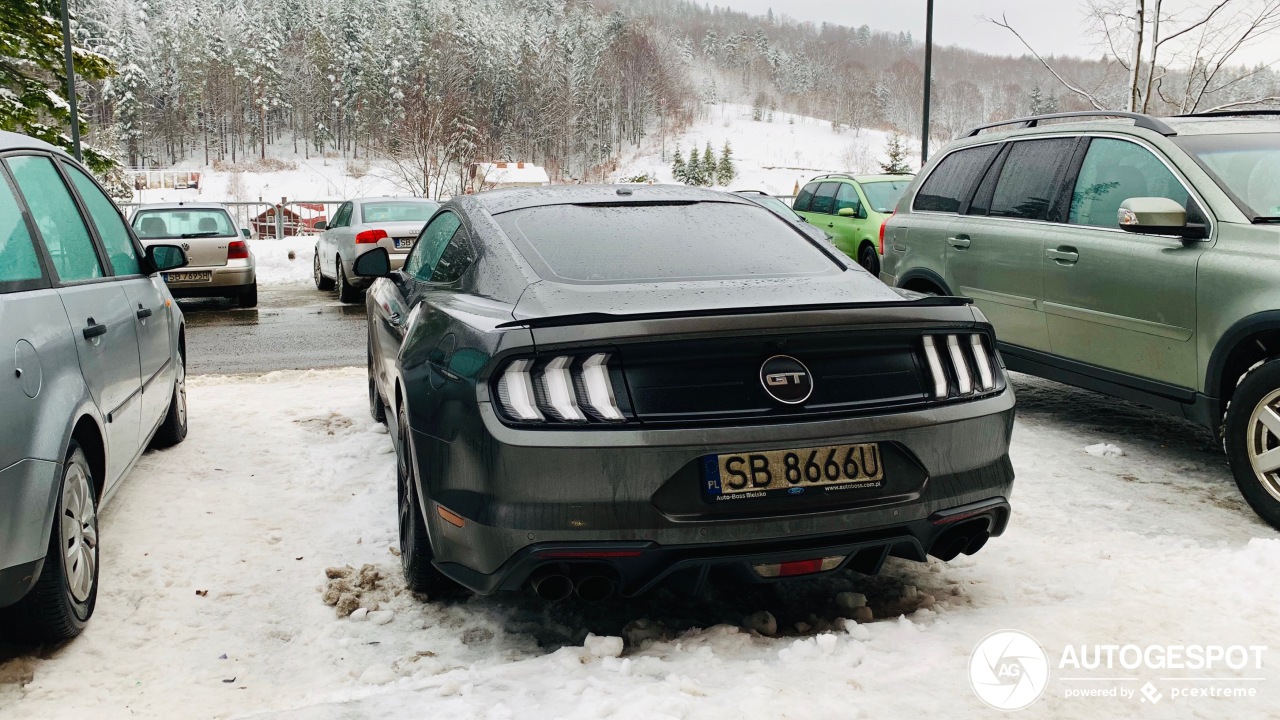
852,210
1134,256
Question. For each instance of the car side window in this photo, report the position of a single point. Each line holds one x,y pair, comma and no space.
457,257
824,201
341,218
1114,171
1030,178
805,197
19,264
57,218
430,247
111,228
847,197
952,180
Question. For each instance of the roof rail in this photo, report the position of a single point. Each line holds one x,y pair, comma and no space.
846,176
1139,120
1232,113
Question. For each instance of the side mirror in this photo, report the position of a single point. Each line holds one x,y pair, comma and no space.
244,233
321,225
1158,216
166,257
374,264
847,212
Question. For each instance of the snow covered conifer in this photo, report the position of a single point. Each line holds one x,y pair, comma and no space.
679,172
897,164
693,171
726,172
709,166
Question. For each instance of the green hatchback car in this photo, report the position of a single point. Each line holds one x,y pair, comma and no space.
852,209
1135,256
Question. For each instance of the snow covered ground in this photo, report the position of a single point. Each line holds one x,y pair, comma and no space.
215,556
770,155
276,267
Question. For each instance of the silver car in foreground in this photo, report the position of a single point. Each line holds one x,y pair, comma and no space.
222,265
360,226
96,375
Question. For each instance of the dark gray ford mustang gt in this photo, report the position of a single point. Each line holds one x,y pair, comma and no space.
601,389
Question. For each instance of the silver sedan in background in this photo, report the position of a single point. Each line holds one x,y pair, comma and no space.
360,226
222,265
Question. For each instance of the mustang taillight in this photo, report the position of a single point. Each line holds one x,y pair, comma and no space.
960,365
566,389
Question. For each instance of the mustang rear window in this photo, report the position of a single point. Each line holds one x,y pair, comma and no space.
658,243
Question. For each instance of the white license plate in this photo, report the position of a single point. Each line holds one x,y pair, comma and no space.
404,243
177,277
793,472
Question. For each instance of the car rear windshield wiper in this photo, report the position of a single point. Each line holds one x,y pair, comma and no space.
1259,220
207,233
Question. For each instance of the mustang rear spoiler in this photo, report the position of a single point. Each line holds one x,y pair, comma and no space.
595,318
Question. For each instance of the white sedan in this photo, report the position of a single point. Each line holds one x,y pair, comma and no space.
361,225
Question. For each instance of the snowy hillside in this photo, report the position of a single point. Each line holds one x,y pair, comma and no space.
774,154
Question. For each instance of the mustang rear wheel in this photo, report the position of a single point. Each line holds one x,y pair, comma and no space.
1252,439
415,545
376,407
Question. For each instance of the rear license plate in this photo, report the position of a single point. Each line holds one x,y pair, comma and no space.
203,276
793,472
404,243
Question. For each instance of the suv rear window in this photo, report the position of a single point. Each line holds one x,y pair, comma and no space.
1029,178
657,243
952,179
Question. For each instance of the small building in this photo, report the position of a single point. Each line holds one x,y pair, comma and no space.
299,219
493,175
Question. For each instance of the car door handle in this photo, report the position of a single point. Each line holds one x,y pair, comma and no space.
143,312
94,329
1063,255
959,242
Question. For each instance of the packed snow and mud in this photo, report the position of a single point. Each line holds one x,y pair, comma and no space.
254,570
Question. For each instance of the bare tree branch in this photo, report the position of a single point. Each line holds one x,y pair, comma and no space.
1004,23
1272,100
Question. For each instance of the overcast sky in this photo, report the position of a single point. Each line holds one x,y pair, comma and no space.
1051,26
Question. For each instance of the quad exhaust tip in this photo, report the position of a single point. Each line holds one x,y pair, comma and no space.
552,587
555,586
968,538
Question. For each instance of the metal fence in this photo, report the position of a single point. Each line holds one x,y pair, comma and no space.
270,221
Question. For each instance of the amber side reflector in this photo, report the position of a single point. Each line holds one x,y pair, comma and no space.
450,517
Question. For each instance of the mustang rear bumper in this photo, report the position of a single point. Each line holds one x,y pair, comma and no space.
498,499
636,567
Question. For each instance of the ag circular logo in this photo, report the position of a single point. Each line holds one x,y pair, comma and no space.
786,379
1008,670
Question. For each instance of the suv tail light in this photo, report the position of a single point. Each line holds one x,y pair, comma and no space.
566,389
365,237
237,250
961,365
883,223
